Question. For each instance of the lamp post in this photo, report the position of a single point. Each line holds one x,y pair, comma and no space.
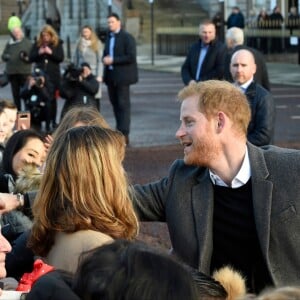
223,19
109,7
152,30
20,5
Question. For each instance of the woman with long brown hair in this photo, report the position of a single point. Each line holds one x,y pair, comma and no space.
84,198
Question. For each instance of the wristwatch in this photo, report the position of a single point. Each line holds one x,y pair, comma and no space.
20,199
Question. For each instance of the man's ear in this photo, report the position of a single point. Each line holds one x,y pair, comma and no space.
220,121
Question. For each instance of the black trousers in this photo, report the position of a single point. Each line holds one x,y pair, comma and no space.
16,82
119,96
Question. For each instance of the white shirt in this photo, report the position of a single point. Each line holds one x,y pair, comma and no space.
241,177
245,85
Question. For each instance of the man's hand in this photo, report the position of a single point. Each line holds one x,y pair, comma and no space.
108,60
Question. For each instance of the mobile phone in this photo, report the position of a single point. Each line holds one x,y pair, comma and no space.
23,120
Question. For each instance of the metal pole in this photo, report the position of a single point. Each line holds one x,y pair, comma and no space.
298,47
68,48
20,7
109,7
152,31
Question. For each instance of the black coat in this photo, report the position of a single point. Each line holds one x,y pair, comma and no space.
261,75
236,20
50,64
38,100
52,286
124,65
79,92
213,64
261,127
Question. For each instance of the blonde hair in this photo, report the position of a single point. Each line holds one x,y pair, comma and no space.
84,186
51,31
217,95
95,42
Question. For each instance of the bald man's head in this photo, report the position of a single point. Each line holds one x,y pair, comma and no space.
242,66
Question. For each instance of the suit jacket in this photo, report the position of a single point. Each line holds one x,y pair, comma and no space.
185,200
261,75
261,127
125,65
213,64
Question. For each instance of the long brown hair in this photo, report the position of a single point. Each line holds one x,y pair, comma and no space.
53,34
95,42
84,187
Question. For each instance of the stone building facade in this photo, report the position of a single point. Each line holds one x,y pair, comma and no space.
72,15
75,13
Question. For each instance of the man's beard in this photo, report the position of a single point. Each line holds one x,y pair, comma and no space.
203,154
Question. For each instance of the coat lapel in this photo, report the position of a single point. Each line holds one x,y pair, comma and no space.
262,196
202,201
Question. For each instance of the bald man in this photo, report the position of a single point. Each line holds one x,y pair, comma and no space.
235,41
261,127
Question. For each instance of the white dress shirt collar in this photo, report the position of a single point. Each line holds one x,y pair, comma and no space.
245,85
241,177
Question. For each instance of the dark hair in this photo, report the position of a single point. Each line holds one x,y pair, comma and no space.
208,287
132,271
114,15
15,143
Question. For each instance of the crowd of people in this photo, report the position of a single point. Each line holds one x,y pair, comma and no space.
66,199
266,22
35,73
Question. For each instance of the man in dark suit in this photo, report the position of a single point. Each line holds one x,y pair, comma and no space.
120,71
228,202
235,42
205,59
261,128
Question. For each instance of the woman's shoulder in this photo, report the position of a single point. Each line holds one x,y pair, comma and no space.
68,247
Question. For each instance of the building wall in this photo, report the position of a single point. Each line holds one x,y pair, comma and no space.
6,8
73,15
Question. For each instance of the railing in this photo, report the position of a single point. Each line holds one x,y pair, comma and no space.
175,40
268,37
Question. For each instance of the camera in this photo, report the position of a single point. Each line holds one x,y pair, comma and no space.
38,77
38,81
72,73
24,56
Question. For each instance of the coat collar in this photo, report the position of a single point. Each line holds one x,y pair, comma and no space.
262,194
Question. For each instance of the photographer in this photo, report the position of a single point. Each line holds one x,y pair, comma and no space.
79,87
18,67
37,94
